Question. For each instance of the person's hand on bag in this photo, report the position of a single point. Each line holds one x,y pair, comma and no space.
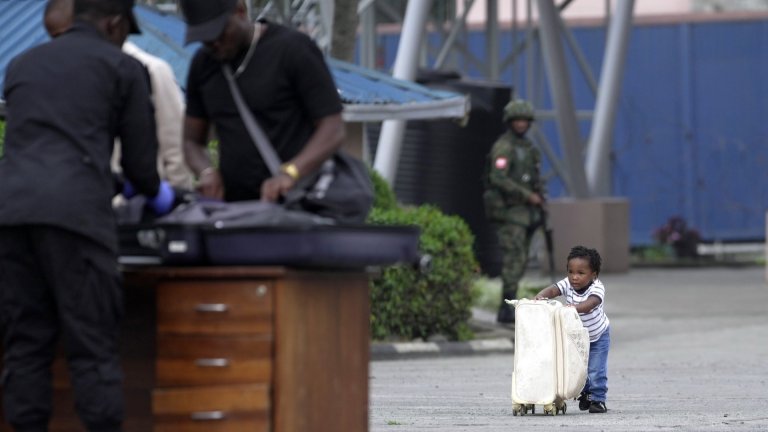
275,187
210,185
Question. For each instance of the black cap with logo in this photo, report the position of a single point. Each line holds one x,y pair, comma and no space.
206,19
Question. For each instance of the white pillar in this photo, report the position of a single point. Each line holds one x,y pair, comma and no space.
406,64
599,147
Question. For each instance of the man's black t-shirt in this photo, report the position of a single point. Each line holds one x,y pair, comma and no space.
288,87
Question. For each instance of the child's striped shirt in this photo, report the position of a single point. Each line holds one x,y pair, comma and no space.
595,320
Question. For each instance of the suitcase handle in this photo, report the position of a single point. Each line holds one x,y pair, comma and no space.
212,362
212,307
516,302
208,415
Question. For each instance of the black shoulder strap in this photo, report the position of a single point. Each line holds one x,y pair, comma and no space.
257,134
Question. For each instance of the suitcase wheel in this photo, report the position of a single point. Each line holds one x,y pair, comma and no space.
561,408
523,409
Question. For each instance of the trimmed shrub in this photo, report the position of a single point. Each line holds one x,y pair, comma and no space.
384,198
407,303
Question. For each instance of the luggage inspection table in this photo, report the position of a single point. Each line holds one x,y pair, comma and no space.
240,348
246,341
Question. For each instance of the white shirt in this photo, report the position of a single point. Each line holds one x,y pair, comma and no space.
595,320
169,117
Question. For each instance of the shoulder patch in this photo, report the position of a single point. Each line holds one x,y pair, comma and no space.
500,163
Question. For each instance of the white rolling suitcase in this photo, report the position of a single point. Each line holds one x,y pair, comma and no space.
551,355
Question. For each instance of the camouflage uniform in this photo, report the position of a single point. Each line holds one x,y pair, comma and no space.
513,175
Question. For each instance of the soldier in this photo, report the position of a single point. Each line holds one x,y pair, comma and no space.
514,198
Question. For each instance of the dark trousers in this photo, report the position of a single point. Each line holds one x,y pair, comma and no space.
514,242
58,285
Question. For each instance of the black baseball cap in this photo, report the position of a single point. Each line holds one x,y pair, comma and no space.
131,17
206,19
120,7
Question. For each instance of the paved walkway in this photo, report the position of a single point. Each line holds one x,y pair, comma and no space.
689,350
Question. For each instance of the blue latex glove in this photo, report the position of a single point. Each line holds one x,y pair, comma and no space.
128,190
162,203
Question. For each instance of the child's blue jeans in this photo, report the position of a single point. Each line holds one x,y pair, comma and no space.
597,370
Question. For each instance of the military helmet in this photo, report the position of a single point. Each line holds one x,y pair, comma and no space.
518,109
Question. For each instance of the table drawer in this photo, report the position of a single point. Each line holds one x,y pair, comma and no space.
212,409
210,360
215,307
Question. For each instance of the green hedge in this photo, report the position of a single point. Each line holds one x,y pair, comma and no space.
407,303
2,136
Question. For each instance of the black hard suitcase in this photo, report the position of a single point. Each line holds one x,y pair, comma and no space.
182,244
258,233
147,243
328,246
138,244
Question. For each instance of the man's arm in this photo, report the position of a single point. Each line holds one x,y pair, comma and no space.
136,130
325,140
197,157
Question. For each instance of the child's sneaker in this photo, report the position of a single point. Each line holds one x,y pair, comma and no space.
597,407
584,401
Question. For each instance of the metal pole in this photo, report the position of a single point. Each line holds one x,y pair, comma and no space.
546,148
599,148
580,59
406,64
517,70
326,16
529,56
368,35
559,85
456,28
492,38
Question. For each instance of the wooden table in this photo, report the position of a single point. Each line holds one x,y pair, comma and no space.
240,349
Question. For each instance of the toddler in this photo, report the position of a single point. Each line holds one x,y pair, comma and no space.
583,290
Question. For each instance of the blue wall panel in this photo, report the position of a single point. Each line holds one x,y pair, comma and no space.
648,165
691,138
731,143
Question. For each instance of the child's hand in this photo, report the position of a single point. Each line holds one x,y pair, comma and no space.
570,305
540,297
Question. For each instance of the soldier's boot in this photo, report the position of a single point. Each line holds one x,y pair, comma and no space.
506,314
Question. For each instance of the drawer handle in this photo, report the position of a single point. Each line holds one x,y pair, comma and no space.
212,307
208,415
212,362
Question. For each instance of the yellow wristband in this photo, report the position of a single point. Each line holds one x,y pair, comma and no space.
291,170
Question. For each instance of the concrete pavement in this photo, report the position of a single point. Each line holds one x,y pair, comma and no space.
689,352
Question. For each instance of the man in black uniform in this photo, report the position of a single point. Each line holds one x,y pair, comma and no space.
286,84
67,101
